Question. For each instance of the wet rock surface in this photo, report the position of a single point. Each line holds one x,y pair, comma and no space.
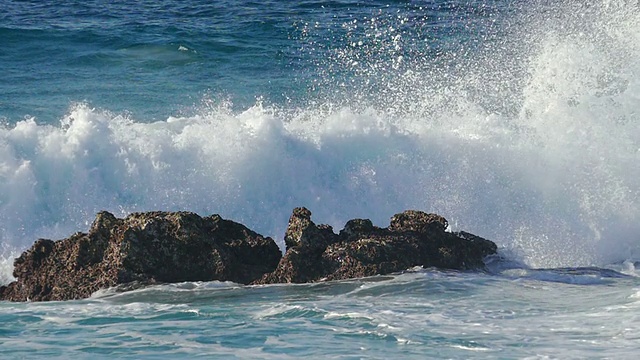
166,247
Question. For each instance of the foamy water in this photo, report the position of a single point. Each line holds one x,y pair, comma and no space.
417,314
545,165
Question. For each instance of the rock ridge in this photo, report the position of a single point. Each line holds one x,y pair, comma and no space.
145,248
166,247
413,238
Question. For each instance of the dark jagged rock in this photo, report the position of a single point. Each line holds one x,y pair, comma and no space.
413,220
160,247
304,233
413,238
143,248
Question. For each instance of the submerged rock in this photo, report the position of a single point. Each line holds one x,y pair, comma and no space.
166,247
143,248
413,238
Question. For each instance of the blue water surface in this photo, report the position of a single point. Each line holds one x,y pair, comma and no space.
154,59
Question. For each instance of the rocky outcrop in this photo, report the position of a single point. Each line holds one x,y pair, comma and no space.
413,238
144,248
164,247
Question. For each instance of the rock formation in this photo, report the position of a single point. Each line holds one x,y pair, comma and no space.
413,238
163,247
154,247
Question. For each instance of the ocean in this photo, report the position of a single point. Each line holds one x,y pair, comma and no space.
518,121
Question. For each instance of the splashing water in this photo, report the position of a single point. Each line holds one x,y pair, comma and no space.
528,136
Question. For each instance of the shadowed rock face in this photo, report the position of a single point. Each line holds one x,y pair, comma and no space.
413,238
165,247
146,248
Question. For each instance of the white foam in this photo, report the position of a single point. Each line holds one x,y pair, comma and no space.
276,310
470,348
6,264
347,315
552,176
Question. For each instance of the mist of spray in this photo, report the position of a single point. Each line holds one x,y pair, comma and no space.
529,136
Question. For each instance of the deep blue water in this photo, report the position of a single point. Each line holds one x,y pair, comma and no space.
160,58
517,121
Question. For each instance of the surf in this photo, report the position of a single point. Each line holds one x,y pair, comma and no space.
530,140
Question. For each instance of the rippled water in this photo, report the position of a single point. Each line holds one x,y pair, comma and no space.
518,314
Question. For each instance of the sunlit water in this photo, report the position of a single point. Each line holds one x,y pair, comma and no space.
517,121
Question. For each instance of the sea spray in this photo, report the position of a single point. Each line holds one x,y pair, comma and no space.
527,135
6,264
515,120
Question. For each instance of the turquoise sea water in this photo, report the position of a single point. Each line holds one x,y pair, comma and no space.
516,120
423,314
